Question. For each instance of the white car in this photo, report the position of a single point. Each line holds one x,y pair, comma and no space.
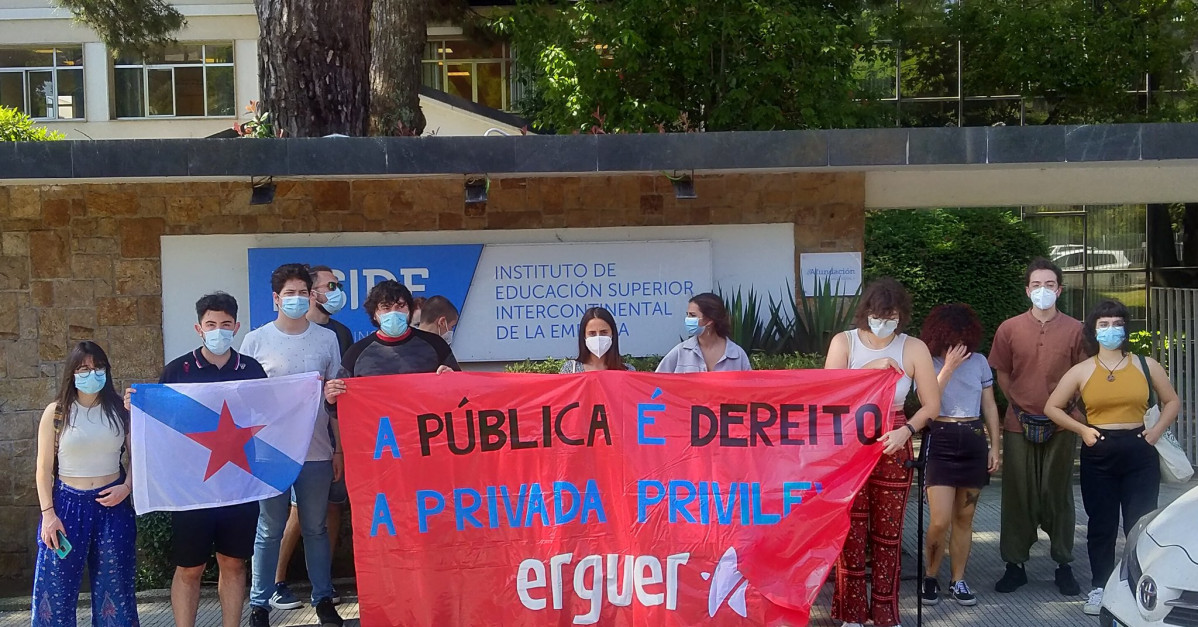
1156,583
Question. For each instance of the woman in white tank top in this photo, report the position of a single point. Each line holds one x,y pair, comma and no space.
877,343
87,519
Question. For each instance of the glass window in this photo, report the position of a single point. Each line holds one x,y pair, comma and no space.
30,83
183,80
478,71
1101,249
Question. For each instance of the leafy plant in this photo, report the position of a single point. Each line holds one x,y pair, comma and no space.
748,330
18,127
260,124
808,323
972,256
645,65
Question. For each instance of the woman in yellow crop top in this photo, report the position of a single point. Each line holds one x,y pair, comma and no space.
1120,470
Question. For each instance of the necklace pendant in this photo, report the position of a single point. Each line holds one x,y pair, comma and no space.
1110,377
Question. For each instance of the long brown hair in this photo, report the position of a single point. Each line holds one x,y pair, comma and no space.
712,307
611,358
113,404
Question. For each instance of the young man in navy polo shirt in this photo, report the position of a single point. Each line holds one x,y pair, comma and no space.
230,529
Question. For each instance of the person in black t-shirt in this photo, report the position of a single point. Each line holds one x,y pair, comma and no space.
395,348
229,529
330,298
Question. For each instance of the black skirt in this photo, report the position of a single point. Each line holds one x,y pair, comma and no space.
957,454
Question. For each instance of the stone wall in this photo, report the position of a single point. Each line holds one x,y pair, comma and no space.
82,261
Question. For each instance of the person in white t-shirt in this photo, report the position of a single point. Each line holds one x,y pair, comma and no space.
291,344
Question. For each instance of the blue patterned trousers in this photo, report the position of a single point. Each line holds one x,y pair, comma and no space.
103,540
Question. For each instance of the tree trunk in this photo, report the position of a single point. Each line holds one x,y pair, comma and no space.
399,33
314,65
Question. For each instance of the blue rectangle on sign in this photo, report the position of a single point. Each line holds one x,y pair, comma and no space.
430,270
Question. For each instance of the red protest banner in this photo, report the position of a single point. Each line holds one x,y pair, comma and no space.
608,497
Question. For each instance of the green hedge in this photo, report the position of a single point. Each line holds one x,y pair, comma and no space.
973,256
760,361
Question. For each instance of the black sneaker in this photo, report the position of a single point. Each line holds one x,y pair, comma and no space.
259,617
929,594
1065,581
1011,580
328,614
962,593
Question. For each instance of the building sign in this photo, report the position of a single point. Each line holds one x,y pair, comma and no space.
517,301
842,272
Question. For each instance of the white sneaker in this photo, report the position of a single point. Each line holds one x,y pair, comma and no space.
1093,605
851,625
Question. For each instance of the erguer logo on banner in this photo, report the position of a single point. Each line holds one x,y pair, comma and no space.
608,497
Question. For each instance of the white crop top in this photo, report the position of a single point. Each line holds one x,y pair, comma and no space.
860,354
89,445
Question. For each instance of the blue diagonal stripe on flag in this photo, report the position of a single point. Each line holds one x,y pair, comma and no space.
186,415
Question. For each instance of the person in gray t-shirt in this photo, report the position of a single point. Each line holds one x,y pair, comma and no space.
960,456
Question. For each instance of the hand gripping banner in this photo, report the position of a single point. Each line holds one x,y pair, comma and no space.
611,498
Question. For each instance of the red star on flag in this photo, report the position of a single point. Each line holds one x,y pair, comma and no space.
227,443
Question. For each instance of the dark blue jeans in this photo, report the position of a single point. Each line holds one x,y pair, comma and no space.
104,541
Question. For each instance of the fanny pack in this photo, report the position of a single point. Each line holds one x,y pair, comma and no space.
1037,428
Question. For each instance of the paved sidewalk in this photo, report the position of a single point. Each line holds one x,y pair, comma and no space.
1037,603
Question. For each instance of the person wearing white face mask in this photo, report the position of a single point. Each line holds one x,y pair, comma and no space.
1030,354
877,342
229,530
598,344
1120,468
708,347
438,315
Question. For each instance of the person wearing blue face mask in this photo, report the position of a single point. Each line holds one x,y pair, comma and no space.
87,521
292,344
707,347
228,530
396,348
1120,469
329,298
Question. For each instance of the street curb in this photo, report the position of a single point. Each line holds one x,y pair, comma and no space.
207,591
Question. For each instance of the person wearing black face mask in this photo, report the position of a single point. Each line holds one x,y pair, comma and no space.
598,344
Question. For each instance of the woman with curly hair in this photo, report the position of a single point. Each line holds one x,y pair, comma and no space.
959,458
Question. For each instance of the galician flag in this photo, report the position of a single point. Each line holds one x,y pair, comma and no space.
198,445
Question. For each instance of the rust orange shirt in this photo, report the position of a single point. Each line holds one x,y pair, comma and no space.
1035,355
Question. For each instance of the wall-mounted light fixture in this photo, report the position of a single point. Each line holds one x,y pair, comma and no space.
477,186
263,190
684,184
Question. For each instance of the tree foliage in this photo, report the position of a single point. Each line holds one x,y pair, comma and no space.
129,24
1073,61
644,65
973,256
15,126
